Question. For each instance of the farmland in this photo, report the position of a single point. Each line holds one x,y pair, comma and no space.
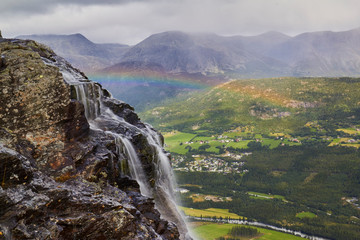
210,231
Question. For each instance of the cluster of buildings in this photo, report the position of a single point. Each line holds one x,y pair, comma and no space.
207,164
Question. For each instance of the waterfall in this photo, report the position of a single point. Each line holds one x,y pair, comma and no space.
135,166
90,95
165,200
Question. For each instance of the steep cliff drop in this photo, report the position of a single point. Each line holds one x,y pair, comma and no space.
73,159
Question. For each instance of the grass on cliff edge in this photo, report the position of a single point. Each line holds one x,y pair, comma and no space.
210,231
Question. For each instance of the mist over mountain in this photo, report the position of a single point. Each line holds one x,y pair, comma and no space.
262,43
321,53
208,54
266,55
271,54
157,68
80,51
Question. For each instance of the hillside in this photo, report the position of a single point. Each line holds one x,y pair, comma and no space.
268,105
80,51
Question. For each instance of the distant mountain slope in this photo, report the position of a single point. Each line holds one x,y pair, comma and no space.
321,53
80,51
209,54
271,54
262,43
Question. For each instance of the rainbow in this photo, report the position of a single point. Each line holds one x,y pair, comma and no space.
139,81
154,79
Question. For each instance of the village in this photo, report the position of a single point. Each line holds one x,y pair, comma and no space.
202,163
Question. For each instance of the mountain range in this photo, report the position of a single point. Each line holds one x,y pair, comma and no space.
271,54
169,64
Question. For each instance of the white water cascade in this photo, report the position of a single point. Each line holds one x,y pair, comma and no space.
123,145
165,201
91,95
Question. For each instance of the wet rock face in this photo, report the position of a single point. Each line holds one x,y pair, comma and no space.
37,106
59,178
41,208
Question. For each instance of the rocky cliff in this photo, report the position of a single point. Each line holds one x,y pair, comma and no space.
74,162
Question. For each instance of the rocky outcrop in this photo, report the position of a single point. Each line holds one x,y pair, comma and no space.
61,178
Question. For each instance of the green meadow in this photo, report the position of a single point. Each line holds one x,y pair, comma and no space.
258,195
211,231
210,212
305,215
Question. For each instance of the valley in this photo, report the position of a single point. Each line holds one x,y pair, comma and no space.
282,151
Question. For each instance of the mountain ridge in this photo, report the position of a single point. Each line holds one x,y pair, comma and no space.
156,65
198,53
270,54
80,51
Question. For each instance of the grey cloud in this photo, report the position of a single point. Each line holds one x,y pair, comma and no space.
129,21
30,7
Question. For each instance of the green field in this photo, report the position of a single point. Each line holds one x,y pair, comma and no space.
210,212
305,215
211,231
242,144
350,131
178,142
258,195
174,139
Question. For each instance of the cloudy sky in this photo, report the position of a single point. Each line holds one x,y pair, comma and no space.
130,21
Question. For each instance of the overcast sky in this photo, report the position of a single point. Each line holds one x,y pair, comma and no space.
130,21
